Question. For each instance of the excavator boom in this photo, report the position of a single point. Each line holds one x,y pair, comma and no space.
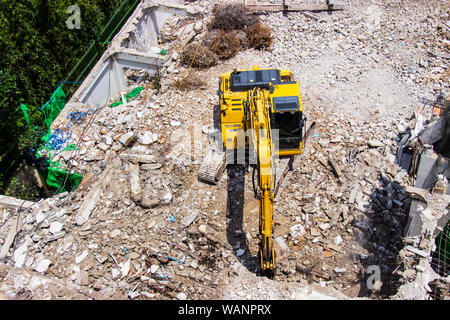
258,112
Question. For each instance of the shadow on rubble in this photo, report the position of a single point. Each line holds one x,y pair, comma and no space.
380,231
236,235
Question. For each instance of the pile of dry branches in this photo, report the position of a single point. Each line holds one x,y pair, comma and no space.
199,55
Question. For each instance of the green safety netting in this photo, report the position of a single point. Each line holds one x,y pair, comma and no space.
25,113
443,245
133,94
52,108
56,177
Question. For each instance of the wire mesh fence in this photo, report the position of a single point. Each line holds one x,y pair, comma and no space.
440,260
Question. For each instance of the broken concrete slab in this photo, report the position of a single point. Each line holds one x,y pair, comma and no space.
138,158
11,202
15,227
135,183
128,138
149,138
417,251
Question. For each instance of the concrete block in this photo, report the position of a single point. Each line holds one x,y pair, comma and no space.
426,172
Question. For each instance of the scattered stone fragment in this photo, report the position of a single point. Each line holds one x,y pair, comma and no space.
149,138
338,240
128,138
40,217
283,245
83,278
43,265
340,270
181,296
114,233
81,257
115,273
324,226
55,227
417,251
151,166
154,268
375,143
194,264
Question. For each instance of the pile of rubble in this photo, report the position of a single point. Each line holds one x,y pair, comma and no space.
347,197
141,225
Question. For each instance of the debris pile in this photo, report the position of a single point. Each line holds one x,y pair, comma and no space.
230,30
198,56
225,45
346,198
231,17
259,36
141,226
192,81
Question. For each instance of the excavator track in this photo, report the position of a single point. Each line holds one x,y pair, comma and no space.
213,165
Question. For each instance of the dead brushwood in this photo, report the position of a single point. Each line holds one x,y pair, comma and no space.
207,39
242,37
240,34
225,45
259,36
199,55
232,17
191,82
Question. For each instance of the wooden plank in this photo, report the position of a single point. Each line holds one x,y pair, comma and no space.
301,7
284,165
291,7
312,16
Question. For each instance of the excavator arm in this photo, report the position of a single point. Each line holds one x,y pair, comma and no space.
258,114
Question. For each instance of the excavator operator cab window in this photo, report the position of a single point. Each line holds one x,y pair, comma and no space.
288,120
289,103
289,128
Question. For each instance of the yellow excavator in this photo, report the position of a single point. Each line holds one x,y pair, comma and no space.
259,122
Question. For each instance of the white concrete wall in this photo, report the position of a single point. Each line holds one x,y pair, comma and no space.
130,48
111,79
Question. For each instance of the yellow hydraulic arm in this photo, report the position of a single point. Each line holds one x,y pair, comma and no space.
259,120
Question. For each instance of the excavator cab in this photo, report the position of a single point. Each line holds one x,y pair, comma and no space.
286,114
286,118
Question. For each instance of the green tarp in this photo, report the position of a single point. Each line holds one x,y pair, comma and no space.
133,94
55,176
443,245
25,113
52,108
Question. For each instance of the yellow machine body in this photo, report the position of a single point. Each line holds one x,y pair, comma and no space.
261,110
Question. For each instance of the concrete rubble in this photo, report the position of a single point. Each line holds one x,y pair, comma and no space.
141,226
